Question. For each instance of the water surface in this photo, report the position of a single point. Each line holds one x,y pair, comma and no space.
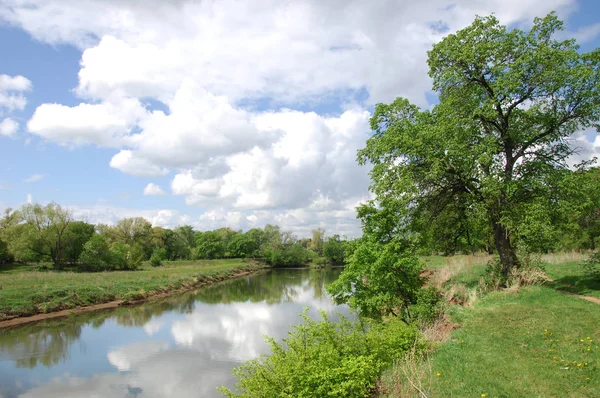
183,346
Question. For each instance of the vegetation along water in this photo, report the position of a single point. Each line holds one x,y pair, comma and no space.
476,274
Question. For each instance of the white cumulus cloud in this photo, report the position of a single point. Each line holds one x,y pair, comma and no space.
219,93
104,124
153,190
11,92
8,127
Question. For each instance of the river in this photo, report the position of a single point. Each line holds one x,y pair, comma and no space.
182,346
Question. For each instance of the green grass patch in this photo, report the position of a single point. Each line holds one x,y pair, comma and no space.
570,277
27,291
534,343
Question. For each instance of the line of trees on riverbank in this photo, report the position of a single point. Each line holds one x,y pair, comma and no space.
50,233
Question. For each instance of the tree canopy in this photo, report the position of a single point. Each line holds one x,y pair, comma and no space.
495,147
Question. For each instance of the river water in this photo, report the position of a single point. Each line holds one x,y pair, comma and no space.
182,346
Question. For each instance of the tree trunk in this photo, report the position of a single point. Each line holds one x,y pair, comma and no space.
508,256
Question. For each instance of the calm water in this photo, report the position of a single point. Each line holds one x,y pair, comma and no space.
184,346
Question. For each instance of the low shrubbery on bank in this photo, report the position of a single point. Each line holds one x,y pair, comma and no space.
325,359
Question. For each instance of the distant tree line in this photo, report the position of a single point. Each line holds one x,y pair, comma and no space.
50,233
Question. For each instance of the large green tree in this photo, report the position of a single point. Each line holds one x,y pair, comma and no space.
48,231
497,141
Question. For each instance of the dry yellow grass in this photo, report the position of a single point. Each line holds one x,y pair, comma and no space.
408,378
564,257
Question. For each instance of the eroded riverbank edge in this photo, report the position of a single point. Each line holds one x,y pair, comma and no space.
21,320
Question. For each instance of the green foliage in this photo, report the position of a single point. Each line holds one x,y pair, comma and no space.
48,232
324,359
96,256
379,279
5,255
210,244
242,245
334,250
317,241
158,256
78,233
126,257
592,266
427,307
493,149
287,255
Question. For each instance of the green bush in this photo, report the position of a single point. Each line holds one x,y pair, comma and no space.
379,280
157,257
592,266
96,255
287,256
334,250
126,257
5,256
427,307
325,359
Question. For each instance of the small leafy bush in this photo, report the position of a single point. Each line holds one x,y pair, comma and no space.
428,306
379,280
592,266
325,359
155,260
158,256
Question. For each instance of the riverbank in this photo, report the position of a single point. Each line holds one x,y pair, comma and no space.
28,295
529,341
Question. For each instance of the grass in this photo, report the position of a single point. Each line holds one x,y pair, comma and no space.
25,291
570,277
534,343
526,342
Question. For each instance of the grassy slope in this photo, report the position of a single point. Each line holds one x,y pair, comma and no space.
569,276
502,348
25,291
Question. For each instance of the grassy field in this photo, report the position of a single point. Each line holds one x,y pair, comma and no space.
26,291
529,342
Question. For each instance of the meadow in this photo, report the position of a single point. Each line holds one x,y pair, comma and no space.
527,341
29,289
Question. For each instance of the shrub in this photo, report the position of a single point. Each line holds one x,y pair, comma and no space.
96,255
325,359
5,256
592,266
125,257
287,256
333,250
379,279
530,272
427,307
157,257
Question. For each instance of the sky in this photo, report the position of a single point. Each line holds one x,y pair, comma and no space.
218,112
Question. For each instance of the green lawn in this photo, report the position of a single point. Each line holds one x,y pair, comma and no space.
570,277
534,343
27,291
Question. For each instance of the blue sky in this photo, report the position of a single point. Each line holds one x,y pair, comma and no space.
241,114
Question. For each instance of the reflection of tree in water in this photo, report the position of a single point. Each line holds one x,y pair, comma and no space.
273,287
47,343
32,345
